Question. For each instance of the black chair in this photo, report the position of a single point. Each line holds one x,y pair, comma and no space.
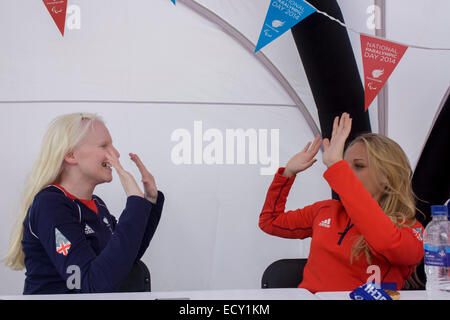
138,280
284,273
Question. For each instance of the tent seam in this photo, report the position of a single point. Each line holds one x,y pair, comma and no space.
247,44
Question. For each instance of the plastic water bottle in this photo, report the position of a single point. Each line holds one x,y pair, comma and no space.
436,256
448,208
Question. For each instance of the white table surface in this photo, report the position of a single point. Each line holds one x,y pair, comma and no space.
248,294
238,294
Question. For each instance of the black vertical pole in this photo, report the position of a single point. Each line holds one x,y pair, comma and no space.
329,62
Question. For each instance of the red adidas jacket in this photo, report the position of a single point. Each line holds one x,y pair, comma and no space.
335,225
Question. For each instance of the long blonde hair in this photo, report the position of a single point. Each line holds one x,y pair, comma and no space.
390,168
62,135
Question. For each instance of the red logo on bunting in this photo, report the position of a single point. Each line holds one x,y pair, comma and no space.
57,9
380,57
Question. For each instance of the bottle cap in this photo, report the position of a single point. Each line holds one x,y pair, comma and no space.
439,211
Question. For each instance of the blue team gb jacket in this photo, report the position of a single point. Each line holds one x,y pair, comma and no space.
61,234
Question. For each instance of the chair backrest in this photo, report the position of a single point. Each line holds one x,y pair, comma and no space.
284,273
138,280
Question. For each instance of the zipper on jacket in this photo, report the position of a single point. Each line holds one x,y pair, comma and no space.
347,228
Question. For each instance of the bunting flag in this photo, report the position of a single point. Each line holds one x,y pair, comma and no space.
173,1
380,57
57,9
281,16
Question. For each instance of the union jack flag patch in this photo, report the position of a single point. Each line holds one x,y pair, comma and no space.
61,242
418,233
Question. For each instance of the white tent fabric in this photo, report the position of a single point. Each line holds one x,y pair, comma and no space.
151,68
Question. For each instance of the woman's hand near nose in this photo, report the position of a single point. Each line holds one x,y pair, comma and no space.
129,184
150,189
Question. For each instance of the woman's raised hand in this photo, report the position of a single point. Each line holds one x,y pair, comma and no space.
150,189
128,182
304,159
334,148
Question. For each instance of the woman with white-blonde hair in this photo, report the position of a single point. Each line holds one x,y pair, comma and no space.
63,228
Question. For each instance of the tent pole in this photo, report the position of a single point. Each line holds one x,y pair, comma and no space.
380,31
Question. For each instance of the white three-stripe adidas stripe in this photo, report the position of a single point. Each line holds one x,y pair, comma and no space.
325,223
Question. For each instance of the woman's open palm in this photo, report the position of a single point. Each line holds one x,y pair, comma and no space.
333,149
150,189
304,159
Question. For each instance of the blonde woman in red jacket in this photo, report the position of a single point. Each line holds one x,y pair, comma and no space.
372,224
